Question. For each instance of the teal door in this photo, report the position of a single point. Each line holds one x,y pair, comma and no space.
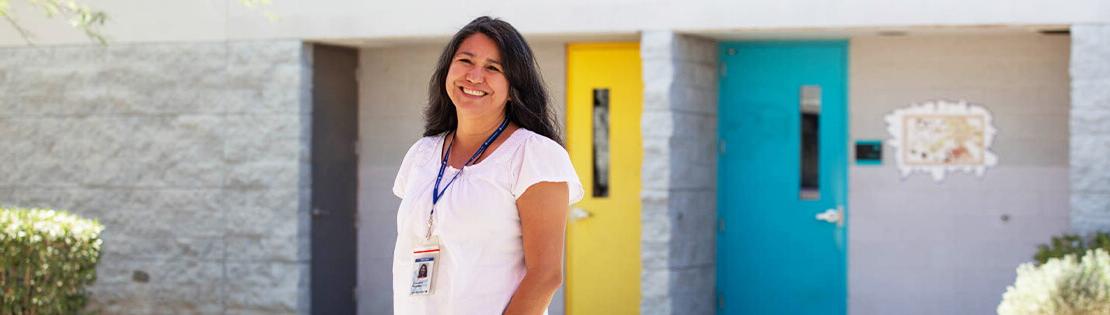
782,181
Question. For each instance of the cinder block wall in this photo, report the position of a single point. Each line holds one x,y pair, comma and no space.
921,247
678,246
1090,128
393,91
193,155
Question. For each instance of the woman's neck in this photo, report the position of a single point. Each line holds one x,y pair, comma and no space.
472,131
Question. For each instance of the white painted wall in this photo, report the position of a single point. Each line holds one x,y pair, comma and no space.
920,247
393,90
383,22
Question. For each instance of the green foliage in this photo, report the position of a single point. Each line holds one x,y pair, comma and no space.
1071,244
251,4
80,17
47,258
86,19
1061,286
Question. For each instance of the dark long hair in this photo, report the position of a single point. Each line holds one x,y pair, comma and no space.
527,105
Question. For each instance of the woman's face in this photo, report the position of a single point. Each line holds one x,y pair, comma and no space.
476,81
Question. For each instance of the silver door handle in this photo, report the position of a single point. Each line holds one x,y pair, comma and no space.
578,214
833,216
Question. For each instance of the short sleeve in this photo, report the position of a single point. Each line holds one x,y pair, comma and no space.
543,160
406,164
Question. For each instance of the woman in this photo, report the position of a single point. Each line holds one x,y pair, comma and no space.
485,193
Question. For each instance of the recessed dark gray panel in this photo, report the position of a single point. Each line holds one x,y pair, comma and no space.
601,142
810,104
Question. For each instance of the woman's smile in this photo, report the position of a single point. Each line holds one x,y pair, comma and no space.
472,92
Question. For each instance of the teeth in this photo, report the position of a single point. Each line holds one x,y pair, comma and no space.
473,92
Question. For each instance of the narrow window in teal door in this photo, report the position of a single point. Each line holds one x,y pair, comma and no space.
781,242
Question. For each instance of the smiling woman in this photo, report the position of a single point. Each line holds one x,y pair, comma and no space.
475,81
489,241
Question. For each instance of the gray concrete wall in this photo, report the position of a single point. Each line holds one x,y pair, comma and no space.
393,90
194,157
678,246
393,85
921,247
1090,128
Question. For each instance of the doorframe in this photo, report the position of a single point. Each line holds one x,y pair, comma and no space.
333,201
588,176
845,45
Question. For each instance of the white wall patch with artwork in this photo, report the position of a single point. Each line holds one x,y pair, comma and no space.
937,137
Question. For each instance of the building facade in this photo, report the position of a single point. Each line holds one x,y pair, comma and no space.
755,150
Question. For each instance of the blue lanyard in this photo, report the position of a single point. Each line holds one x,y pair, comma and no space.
436,193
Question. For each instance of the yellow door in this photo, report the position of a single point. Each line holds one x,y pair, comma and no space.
604,103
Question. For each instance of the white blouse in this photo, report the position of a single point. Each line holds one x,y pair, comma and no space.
482,258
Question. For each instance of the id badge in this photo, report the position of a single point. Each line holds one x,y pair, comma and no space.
424,263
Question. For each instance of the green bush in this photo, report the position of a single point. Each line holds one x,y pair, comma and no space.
1071,244
1061,286
46,259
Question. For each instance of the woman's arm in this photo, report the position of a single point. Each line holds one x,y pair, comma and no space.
543,222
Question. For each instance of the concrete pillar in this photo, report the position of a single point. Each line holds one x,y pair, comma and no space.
678,244
1090,128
